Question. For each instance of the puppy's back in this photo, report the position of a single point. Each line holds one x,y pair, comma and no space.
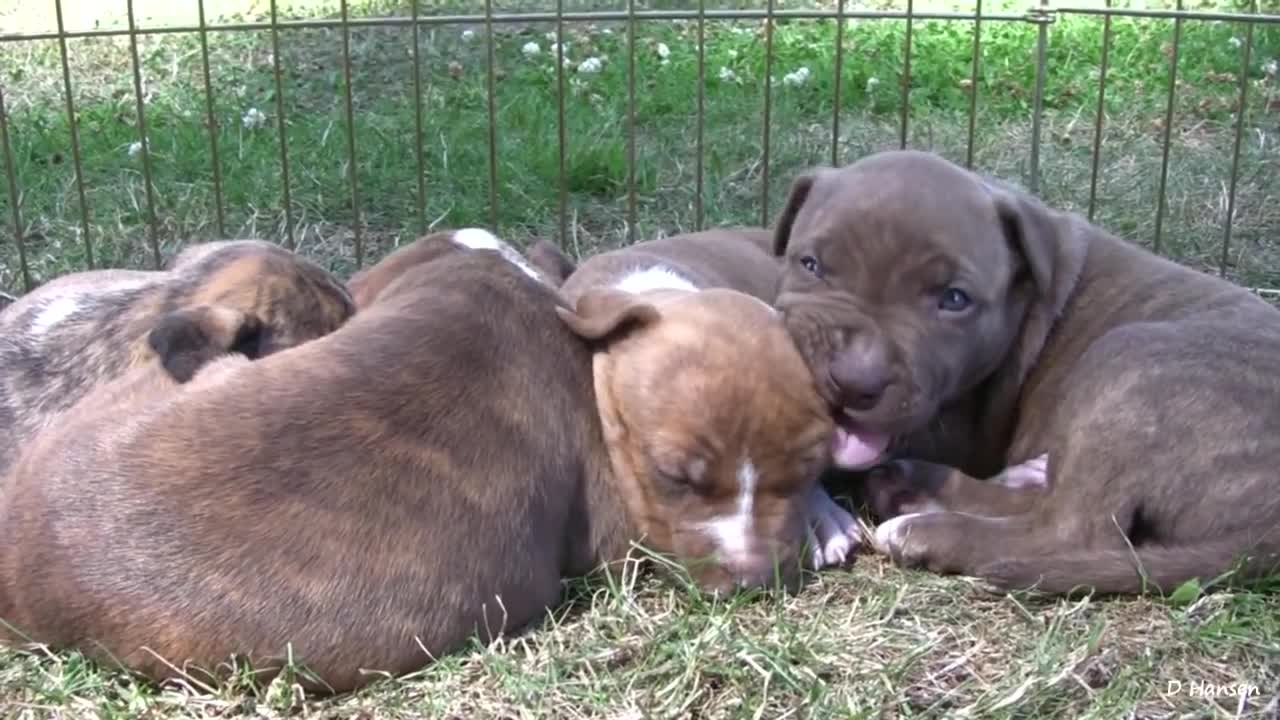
404,480
734,258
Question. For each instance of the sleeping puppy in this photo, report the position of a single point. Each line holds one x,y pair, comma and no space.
683,266
80,330
962,322
426,473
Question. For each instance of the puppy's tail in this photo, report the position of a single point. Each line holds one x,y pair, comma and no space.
1239,557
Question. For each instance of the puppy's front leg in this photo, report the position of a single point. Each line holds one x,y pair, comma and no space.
953,542
915,486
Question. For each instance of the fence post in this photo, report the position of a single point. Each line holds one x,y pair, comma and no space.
1042,16
13,197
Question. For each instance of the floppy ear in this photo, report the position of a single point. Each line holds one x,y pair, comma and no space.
548,259
800,189
1049,243
602,312
188,339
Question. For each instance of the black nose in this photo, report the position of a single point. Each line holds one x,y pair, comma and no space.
861,374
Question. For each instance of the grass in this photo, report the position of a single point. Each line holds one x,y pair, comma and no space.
866,641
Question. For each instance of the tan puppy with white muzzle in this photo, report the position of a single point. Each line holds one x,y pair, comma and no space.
426,473
75,332
978,328
683,268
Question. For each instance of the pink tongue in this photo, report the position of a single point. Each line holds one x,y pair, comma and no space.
857,450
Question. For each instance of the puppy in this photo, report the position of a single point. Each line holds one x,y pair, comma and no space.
739,259
425,473
77,331
978,328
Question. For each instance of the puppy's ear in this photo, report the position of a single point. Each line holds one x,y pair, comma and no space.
188,339
1047,241
800,189
548,259
603,312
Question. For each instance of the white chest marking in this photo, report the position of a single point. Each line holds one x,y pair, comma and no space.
732,532
653,278
481,239
53,313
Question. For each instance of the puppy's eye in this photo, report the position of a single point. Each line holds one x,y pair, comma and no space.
810,263
954,300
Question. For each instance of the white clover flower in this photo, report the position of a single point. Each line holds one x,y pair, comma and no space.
590,65
555,46
531,49
253,119
468,35
607,31
664,52
551,36
135,147
1271,67
797,78
1236,42
727,75
872,82
733,54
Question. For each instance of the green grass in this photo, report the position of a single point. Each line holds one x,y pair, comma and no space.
455,136
869,641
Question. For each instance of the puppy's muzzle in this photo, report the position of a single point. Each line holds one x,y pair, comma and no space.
861,373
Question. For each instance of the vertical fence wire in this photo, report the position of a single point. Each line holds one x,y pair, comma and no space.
282,126
973,83
766,121
701,120
905,102
1039,15
491,93
835,94
353,174
1168,130
73,124
12,178
215,160
1101,115
561,176
631,121
1242,109
142,137
417,119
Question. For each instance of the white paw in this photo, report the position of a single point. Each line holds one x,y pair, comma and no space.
833,531
1030,474
891,535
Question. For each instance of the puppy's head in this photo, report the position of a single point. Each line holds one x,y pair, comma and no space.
715,430
368,284
188,339
907,281
293,299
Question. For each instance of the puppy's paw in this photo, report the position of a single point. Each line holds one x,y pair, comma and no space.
891,490
1033,473
894,538
833,532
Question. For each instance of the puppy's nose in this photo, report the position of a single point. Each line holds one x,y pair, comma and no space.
861,374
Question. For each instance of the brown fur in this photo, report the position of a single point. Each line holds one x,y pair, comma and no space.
1152,387
366,501
108,321
740,260
550,261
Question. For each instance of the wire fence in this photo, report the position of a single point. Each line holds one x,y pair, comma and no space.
1041,15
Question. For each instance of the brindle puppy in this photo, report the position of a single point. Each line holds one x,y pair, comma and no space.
78,331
